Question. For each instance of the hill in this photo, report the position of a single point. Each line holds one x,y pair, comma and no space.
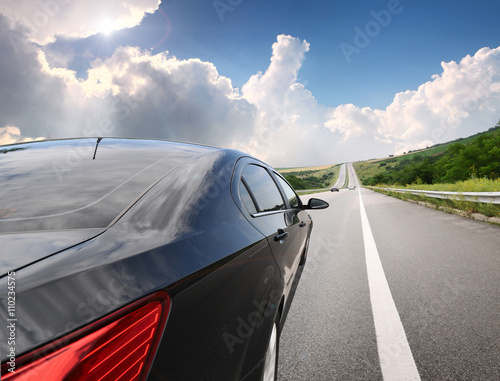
311,177
476,156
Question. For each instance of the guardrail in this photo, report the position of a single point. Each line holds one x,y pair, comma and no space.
484,197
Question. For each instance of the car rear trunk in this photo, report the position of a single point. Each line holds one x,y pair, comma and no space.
21,249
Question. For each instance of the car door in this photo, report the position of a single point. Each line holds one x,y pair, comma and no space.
299,221
269,212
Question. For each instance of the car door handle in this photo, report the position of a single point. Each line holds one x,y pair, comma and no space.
302,224
281,235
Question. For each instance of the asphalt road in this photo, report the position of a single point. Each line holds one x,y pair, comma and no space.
341,179
443,272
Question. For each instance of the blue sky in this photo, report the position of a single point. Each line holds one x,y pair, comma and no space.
343,64
238,39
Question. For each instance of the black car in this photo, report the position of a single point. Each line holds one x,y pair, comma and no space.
334,189
127,259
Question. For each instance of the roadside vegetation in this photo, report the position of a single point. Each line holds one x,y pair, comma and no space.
470,167
311,178
466,165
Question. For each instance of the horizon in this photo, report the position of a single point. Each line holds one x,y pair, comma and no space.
390,156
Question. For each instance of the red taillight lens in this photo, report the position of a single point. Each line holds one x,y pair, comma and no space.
119,347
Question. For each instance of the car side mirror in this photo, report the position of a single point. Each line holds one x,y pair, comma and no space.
316,203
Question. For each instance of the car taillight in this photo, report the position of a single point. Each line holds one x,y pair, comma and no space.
120,346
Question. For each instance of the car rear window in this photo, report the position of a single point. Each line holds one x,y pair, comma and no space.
81,183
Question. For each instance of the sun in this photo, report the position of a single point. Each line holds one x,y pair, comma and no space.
106,27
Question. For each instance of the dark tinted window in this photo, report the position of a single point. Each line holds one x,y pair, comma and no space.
263,188
289,192
80,183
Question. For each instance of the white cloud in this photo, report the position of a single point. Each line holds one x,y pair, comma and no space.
46,19
275,83
131,93
462,100
9,134
352,121
30,98
136,94
12,134
161,96
289,119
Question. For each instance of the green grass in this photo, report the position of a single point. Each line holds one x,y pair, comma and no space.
311,177
366,169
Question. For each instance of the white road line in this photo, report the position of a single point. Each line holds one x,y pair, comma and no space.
396,359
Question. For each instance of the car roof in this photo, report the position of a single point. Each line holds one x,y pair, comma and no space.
82,183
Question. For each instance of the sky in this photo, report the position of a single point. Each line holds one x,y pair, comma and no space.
293,82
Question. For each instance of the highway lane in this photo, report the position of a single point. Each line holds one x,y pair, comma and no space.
444,276
341,178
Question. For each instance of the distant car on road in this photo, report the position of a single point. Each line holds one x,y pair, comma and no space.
334,189
146,259
352,187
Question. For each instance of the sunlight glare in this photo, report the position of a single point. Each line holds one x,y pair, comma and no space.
106,27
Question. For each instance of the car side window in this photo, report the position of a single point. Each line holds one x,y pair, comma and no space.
289,192
247,199
263,194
